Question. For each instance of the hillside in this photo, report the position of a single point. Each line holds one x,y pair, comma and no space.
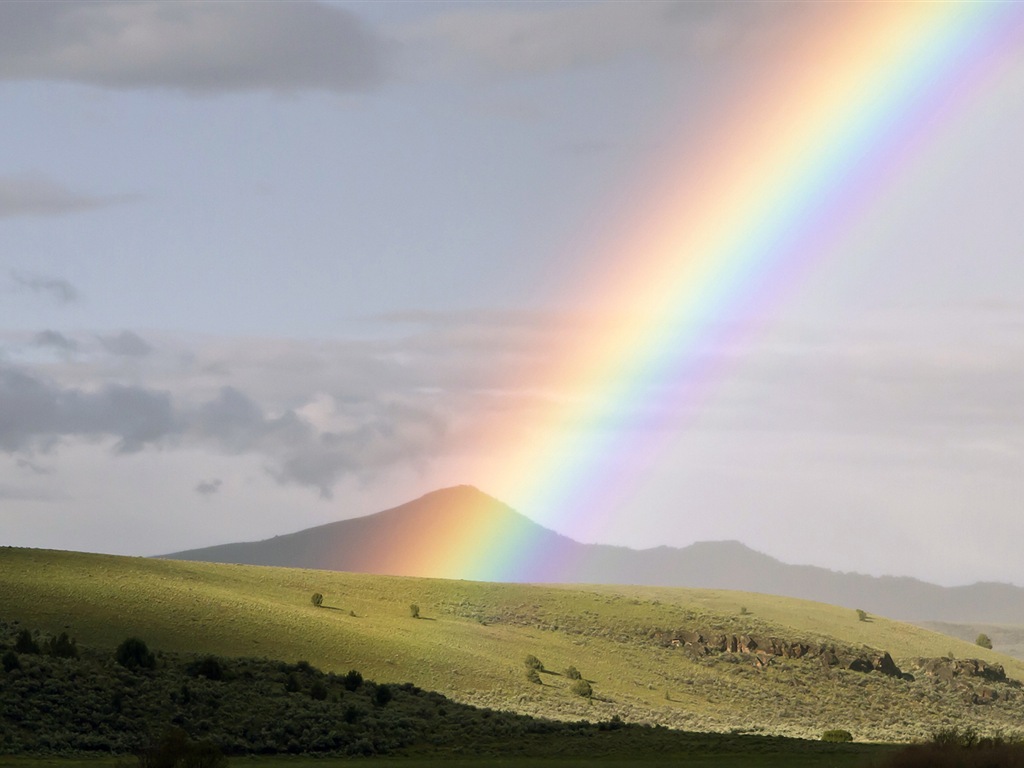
379,543
651,654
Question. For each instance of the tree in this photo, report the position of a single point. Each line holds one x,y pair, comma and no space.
582,688
984,641
533,676
532,662
133,653
317,599
352,680
11,661
25,643
573,674
382,695
414,611
862,615
62,646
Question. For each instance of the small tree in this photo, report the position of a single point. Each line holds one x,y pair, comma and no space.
352,680
582,688
317,599
62,646
984,641
11,661
414,611
533,676
862,615
573,674
133,654
25,643
382,695
532,662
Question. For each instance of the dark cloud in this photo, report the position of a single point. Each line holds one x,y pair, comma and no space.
39,196
56,288
126,344
208,487
55,340
36,414
191,46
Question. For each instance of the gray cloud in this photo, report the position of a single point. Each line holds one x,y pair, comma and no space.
208,487
192,46
36,414
126,344
542,38
39,196
56,288
55,340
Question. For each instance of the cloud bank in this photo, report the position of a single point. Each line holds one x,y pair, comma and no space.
197,47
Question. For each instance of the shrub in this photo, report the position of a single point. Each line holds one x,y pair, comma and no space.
582,688
174,749
25,643
11,661
744,611
318,691
317,599
837,736
533,676
133,653
352,680
984,641
862,615
208,667
382,695
573,674
414,611
532,662
62,646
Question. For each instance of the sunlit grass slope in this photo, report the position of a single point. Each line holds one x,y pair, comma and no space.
472,637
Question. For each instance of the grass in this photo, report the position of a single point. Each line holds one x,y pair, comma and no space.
472,637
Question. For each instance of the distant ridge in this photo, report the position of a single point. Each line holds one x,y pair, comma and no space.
380,543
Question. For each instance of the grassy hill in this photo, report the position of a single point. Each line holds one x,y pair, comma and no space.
472,637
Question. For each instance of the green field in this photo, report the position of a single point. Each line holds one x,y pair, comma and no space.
472,637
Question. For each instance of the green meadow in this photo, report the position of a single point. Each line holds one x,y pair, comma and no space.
471,638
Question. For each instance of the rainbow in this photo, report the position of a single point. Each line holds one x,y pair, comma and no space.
729,230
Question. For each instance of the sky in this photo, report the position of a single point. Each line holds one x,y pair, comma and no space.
265,266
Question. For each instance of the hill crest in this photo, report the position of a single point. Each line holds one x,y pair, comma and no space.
410,540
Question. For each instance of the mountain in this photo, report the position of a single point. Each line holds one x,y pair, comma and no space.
409,540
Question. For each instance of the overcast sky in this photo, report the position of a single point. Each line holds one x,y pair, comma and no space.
269,265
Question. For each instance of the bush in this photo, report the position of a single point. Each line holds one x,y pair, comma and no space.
382,695
414,611
862,615
62,646
984,641
582,688
317,599
837,736
208,667
11,661
573,674
532,662
533,676
174,749
352,680
318,691
25,643
133,653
